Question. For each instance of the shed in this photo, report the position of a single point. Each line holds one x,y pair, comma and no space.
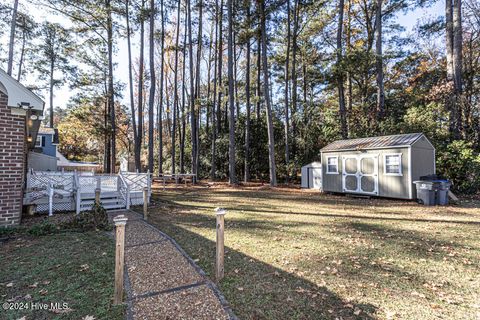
383,166
312,176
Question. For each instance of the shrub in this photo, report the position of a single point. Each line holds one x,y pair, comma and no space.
460,163
95,219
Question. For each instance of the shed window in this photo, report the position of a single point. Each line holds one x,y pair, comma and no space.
393,164
332,164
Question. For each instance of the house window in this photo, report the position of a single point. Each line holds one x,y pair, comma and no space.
393,164
39,142
332,164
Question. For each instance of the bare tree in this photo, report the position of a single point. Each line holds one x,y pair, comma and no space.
231,102
379,61
13,24
151,98
340,73
193,121
160,106
175,90
247,97
287,101
138,143
130,81
266,94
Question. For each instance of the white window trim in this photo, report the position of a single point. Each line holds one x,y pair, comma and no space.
39,145
332,172
400,174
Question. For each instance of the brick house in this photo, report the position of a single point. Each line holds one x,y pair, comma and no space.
20,114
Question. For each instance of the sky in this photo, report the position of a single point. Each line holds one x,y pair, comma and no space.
62,95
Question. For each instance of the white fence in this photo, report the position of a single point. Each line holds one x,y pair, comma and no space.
52,191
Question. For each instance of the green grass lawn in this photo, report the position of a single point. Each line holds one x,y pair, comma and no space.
303,255
76,268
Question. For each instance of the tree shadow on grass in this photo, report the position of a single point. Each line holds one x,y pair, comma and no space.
374,215
257,290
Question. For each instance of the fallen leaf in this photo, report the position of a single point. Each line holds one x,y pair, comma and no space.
43,292
240,288
34,285
46,282
357,311
88,318
9,285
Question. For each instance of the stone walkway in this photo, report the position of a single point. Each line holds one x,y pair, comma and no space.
162,281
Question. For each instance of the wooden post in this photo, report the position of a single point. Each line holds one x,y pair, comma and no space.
219,264
97,196
50,199
145,203
120,222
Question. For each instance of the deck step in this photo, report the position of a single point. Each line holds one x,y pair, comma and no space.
109,202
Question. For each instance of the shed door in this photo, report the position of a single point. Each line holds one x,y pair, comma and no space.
350,173
360,174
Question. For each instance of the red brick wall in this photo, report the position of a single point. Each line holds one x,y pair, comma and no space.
12,164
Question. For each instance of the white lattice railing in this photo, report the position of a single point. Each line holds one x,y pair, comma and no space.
124,191
63,191
50,191
137,182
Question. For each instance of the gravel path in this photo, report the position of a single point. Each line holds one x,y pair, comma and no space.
162,281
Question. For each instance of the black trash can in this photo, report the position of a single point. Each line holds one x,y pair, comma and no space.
426,192
442,193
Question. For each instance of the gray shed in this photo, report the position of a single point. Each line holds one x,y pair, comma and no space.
312,176
380,166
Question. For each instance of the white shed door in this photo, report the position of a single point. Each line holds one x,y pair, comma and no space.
360,174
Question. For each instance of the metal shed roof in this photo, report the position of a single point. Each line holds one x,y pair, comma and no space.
374,142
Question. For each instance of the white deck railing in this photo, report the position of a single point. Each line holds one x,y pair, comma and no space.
54,191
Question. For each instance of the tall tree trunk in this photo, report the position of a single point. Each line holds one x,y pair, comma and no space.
175,90
111,93
209,83
184,89
340,78
52,70
349,75
449,38
214,104
457,65
296,12
198,105
193,121
268,107
247,97
235,79
151,97
287,81
231,99
220,63
259,73
138,143
13,25
130,81
160,108
22,51
379,62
